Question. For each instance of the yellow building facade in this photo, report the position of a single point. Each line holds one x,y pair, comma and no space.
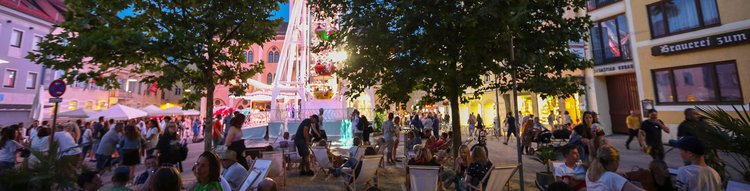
668,56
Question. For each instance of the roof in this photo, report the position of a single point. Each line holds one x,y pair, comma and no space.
281,30
48,10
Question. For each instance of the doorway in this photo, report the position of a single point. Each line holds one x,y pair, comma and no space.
622,91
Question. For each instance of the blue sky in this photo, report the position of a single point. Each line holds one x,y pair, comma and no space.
283,12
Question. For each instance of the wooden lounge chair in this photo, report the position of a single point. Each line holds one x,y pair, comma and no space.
276,170
423,178
368,170
256,174
497,179
321,159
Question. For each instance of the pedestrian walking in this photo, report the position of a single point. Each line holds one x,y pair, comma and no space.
633,121
650,132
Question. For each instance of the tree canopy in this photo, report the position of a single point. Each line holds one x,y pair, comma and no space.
445,48
194,44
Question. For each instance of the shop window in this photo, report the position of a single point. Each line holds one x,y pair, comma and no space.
677,16
706,83
610,40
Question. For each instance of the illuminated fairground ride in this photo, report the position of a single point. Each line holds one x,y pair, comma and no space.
305,79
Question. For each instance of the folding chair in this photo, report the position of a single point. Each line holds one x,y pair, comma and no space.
322,160
256,174
496,179
368,170
277,166
423,177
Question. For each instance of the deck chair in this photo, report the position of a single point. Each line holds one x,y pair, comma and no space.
423,177
737,186
276,170
291,154
256,174
368,170
497,179
321,158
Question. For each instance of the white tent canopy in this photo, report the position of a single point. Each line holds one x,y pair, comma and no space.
119,112
177,110
152,110
78,113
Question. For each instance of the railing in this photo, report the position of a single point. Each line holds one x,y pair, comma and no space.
328,114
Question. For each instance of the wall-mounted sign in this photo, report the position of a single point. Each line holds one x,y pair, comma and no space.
613,68
646,105
713,41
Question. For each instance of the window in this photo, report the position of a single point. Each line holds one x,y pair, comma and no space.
10,78
610,40
249,56
88,105
139,88
594,4
676,16
73,105
269,78
177,91
31,81
706,83
37,40
273,56
59,74
131,86
16,38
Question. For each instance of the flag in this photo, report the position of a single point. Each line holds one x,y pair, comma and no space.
154,87
37,106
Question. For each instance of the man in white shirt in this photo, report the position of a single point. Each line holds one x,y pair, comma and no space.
234,173
571,172
696,175
355,123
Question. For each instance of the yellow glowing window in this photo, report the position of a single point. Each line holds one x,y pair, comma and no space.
73,105
88,105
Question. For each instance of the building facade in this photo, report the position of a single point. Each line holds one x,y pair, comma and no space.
668,56
23,24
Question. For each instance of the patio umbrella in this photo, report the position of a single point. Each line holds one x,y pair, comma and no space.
151,110
177,110
78,114
119,112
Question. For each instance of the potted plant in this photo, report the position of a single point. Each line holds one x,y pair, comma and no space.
544,155
725,132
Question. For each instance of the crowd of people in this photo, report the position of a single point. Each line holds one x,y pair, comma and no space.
118,147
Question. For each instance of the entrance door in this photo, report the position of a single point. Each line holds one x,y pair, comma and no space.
622,91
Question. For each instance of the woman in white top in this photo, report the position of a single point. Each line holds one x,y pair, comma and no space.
39,144
152,135
87,138
8,148
67,146
602,174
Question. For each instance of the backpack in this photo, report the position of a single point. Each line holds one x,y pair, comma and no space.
182,151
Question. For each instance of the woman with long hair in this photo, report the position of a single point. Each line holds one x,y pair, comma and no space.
168,146
40,144
602,174
8,148
165,179
581,136
480,166
234,140
152,135
207,173
87,139
131,145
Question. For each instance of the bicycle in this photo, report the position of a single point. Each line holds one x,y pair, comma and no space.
481,140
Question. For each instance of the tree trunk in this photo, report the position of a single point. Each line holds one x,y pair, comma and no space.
455,121
208,138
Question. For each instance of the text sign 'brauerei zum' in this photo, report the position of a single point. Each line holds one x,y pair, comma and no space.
712,41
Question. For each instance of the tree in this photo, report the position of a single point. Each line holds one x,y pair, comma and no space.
446,48
194,44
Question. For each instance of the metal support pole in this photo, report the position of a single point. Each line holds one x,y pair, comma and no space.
53,152
497,107
516,114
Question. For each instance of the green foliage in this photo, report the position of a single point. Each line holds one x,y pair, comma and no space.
544,155
378,121
193,44
51,173
445,48
728,133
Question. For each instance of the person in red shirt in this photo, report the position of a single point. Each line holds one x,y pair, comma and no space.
216,133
